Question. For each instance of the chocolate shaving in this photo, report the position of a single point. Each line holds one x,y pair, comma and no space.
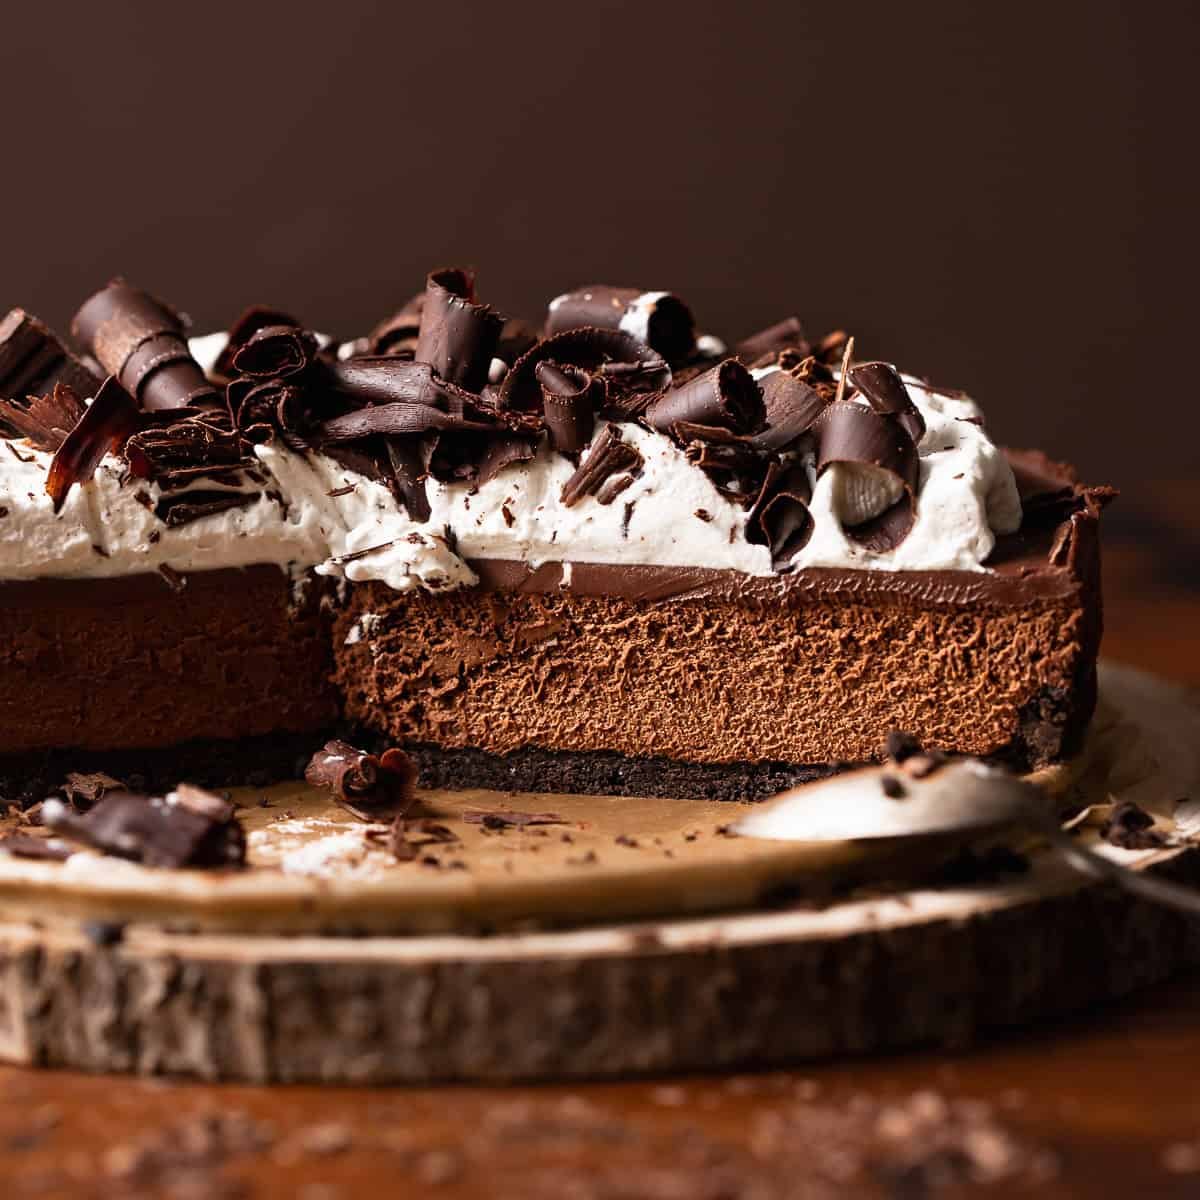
142,342
188,828
44,420
276,351
183,508
780,518
457,337
370,787
725,396
851,433
108,421
570,398
397,335
501,452
175,454
886,392
409,458
509,818
254,318
609,455
33,361
765,346
670,329
610,489
627,368
84,790
791,405
43,849
1131,827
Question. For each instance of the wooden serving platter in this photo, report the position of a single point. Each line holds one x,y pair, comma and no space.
627,935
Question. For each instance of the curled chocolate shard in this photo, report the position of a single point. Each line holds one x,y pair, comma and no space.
791,405
458,337
33,361
409,458
370,787
570,397
254,318
883,470
187,828
725,396
765,346
142,342
276,351
780,518
657,319
386,379
396,420
397,335
886,392
106,424
504,451
610,455
176,454
627,368
44,420
183,508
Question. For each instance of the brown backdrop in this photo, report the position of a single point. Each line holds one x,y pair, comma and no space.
997,195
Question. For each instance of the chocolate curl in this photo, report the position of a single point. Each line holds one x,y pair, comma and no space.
458,337
609,455
398,334
33,361
108,421
254,318
396,420
44,420
886,392
852,434
409,458
504,451
780,518
570,398
275,352
142,343
385,379
764,347
371,788
188,828
791,406
625,366
659,320
725,396
173,455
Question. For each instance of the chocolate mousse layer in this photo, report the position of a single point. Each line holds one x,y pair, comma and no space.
216,677
595,677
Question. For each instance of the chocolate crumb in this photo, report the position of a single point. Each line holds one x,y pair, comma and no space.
1131,827
892,787
625,519
702,514
342,491
900,745
583,860
176,580
509,818
623,839
507,514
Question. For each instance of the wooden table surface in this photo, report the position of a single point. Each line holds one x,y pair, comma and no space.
1106,1104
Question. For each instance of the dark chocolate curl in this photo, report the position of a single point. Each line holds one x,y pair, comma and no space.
142,342
173,455
762,348
609,455
570,398
851,433
626,367
458,337
398,334
254,318
189,828
109,420
409,458
395,420
791,406
383,379
44,420
883,387
663,322
372,788
33,361
725,396
504,451
276,351
780,518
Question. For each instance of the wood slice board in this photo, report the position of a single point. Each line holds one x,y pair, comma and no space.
238,978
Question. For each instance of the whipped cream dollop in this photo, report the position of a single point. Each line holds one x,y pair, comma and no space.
316,514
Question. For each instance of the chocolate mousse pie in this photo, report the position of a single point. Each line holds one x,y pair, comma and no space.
613,555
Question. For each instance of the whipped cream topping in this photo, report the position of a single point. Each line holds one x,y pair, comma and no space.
342,524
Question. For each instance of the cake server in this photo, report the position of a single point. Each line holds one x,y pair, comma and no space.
959,796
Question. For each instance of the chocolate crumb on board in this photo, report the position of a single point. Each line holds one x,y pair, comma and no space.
1131,827
498,819
370,787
